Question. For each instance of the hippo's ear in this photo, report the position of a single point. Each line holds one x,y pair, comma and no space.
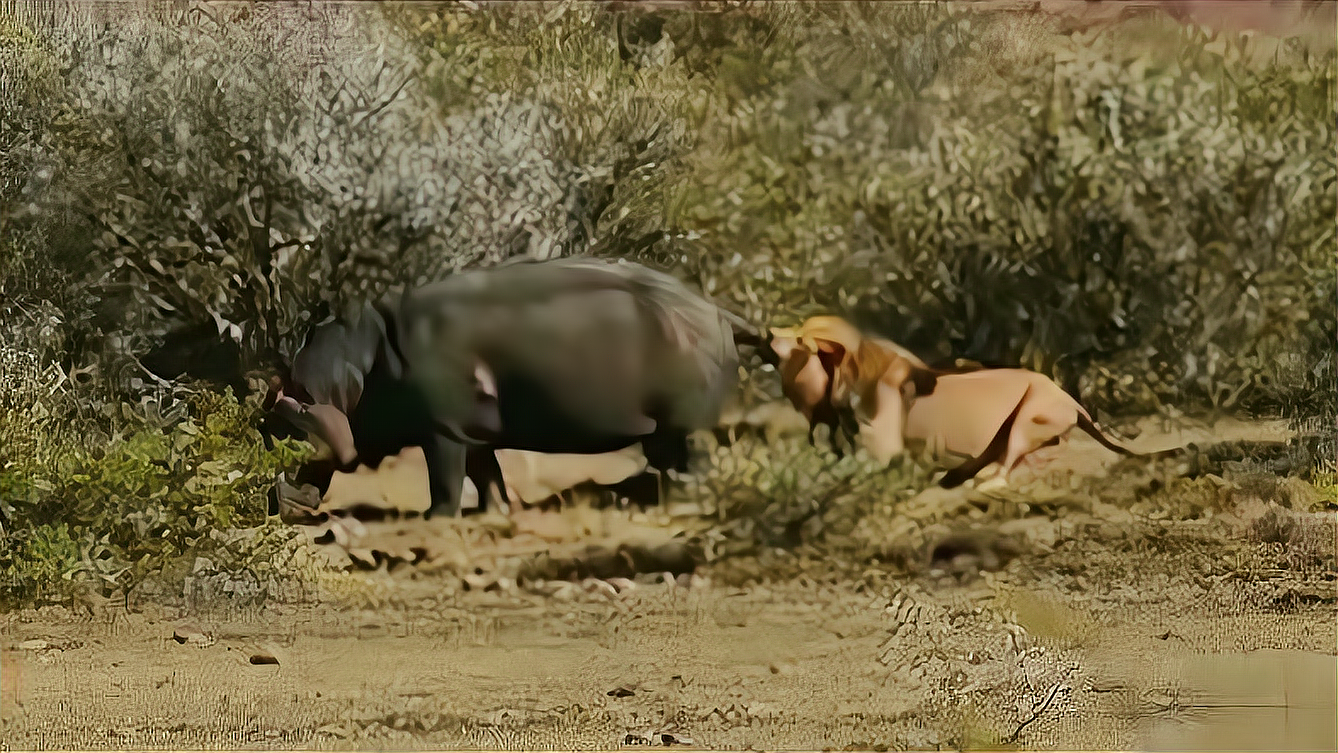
484,381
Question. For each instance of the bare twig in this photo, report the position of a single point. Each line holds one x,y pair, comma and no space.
1037,711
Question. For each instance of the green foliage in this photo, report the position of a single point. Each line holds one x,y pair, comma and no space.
146,502
1327,484
31,94
1106,210
236,197
39,560
784,493
1142,210
291,186
611,131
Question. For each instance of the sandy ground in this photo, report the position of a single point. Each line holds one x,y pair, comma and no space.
1068,624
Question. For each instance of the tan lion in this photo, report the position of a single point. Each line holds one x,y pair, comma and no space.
978,418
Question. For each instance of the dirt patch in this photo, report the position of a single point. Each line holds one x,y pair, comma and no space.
788,666
1117,611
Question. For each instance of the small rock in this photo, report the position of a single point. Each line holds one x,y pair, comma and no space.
1299,495
192,634
297,505
202,565
478,582
34,645
622,691
263,657
334,730
622,585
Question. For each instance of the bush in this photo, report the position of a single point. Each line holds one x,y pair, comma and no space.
290,189
138,508
40,560
1105,212
782,493
1141,210
35,131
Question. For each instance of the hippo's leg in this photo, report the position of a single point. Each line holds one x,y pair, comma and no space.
667,449
317,473
486,472
445,475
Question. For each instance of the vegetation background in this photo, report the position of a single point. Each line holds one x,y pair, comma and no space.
1143,209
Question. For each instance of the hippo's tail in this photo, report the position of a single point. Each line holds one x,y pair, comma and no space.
744,332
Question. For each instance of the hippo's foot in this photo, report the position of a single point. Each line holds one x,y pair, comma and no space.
667,451
499,505
442,510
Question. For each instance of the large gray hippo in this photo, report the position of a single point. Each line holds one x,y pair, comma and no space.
573,355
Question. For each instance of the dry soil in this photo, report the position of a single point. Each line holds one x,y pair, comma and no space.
1039,619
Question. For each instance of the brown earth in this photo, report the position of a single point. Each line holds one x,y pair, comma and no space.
1122,607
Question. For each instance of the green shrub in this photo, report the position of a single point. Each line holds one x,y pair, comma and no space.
1104,211
39,560
784,493
293,188
1141,210
145,503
